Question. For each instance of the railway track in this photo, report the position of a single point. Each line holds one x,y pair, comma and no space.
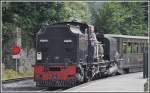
15,80
24,84
54,89
27,84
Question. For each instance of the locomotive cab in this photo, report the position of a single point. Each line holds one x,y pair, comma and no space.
109,45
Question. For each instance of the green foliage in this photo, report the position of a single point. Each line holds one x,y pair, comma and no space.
78,10
12,74
122,18
8,29
109,17
29,16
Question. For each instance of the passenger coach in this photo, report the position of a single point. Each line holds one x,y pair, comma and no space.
128,48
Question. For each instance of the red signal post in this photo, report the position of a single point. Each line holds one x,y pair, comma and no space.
16,50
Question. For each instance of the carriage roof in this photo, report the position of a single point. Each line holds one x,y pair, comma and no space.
125,36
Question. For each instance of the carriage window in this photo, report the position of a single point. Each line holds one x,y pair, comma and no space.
134,48
145,47
129,47
140,48
124,47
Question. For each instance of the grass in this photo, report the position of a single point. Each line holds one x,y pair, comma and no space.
12,74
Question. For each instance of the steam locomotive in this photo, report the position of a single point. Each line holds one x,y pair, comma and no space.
64,55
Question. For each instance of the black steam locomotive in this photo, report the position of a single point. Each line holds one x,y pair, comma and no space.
66,56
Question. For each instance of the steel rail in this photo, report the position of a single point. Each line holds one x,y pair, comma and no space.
15,80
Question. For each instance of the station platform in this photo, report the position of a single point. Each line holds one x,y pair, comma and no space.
133,82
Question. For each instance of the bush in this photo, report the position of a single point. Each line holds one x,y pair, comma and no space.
12,74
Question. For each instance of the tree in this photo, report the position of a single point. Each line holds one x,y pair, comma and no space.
76,10
29,16
122,18
32,15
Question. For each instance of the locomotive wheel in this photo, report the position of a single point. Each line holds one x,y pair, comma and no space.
88,76
115,70
120,71
126,70
98,76
80,74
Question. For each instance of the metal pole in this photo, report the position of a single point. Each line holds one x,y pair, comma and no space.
58,10
16,66
88,46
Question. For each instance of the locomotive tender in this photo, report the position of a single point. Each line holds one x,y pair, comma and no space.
64,55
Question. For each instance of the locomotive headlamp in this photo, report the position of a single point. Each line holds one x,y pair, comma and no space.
39,56
67,41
